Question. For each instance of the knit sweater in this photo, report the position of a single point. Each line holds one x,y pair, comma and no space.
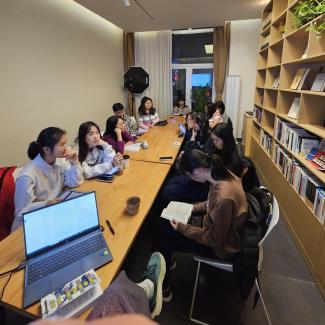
226,211
118,146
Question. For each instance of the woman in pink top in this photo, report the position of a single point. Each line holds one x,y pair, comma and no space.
116,134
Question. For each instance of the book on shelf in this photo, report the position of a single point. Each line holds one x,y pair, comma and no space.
316,159
294,138
266,141
179,211
276,81
299,78
295,108
267,20
257,114
312,185
319,82
319,205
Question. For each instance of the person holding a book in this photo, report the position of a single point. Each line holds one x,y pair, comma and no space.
222,143
53,165
95,155
116,134
225,213
148,115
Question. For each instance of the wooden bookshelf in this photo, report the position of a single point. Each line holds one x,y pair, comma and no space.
283,50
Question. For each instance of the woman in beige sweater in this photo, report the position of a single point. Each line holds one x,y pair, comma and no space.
225,213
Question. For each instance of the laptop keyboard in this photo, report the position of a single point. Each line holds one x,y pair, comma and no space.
65,257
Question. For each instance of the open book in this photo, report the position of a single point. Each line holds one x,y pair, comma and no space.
178,210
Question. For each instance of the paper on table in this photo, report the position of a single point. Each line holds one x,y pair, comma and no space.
134,147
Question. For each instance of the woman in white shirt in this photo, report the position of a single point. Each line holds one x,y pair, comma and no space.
41,181
95,155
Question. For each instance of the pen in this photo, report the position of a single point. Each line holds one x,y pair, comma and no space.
110,227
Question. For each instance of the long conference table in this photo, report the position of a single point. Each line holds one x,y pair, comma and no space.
143,178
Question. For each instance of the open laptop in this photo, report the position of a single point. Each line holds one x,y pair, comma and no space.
62,241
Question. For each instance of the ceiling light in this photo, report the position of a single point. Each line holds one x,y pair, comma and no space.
208,48
126,3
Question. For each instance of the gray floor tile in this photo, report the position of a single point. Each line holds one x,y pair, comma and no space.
282,257
291,301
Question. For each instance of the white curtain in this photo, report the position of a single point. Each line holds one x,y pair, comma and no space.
153,52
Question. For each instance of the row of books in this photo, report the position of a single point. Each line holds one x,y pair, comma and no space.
257,114
266,141
304,79
295,138
302,180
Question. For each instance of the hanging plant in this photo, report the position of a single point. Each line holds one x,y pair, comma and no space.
306,11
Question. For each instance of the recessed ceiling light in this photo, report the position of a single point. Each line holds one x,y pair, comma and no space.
126,3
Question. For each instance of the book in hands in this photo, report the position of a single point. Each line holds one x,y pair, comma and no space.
72,298
178,211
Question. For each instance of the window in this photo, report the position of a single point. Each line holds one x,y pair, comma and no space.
192,67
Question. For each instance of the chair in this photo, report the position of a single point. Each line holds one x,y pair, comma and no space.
226,266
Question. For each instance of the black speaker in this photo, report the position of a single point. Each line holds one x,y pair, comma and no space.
136,80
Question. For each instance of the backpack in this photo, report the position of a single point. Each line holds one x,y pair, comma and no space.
7,206
245,263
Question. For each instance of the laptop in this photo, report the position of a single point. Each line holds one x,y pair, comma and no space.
62,241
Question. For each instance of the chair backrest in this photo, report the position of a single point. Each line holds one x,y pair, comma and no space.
7,207
274,219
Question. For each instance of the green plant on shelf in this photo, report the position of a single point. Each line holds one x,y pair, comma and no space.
306,11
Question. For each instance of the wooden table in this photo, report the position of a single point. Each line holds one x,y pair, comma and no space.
141,179
162,141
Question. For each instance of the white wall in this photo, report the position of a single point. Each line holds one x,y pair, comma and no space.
60,65
243,62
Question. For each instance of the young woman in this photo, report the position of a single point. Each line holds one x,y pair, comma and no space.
130,123
116,134
181,108
53,166
95,155
184,188
225,213
148,115
220,116
195,136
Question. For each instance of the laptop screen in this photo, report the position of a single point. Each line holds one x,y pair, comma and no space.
60,222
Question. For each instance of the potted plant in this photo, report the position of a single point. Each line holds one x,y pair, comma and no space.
307,10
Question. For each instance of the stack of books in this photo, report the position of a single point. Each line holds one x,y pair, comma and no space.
294,138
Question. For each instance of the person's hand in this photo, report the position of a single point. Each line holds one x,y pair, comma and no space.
118,131
181,154
174,224
72,156
101,142
216,120
53,201
194,133
190,125
117,159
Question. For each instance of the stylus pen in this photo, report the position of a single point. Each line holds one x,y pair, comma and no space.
110,227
